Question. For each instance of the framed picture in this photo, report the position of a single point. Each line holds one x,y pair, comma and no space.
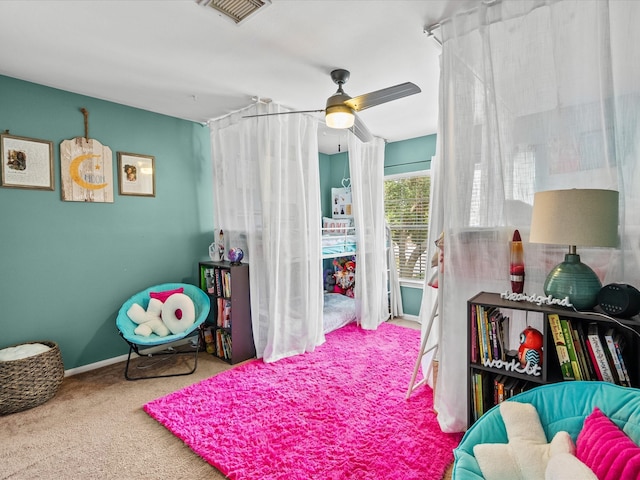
27,162
341,203
136,174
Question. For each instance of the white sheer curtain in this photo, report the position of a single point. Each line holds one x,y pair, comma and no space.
396,309
366,167
535,95
267,201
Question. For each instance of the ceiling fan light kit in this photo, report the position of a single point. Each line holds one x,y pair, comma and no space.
339,116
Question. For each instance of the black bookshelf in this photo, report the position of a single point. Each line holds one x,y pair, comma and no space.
229,318
496,376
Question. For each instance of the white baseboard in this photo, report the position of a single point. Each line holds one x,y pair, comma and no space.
93,366
122,358
413,318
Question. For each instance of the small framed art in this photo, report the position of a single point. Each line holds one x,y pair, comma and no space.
136,174
27,162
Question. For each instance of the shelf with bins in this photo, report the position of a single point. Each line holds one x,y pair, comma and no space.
573,346
228,330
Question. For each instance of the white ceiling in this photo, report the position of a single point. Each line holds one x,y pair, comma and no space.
185,60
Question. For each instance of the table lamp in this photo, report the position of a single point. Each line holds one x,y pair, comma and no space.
576,217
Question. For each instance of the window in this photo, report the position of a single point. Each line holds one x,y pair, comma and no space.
406,206
519,191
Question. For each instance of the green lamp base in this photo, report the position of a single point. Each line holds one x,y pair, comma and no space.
575,280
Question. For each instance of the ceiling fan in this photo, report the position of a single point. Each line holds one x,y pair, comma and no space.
340,111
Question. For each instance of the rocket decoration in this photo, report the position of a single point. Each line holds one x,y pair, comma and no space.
530,350
516,265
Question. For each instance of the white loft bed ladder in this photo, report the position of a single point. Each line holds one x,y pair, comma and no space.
427,333
423,351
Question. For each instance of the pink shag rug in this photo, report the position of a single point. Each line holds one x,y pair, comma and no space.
336,413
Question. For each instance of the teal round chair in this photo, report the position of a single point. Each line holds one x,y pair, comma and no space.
136,343
561,407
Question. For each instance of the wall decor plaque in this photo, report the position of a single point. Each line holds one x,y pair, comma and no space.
86,171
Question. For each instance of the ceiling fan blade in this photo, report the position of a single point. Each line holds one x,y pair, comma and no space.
385,95
282,113
360,130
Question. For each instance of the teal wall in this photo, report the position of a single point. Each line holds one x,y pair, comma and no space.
409,155
68,266
399,157
325,183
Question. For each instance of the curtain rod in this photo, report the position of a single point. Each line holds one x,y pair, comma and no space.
429,29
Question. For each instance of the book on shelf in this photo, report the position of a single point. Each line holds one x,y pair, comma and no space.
510,385
612,353
501,328
498,389
618,342
489,331
599,353
592,356
219,351
226,283
519,387
482,333
218,281
493,334
226,313
208,282
474,334
583,353
482,393
561,347
473,392
228,344
568,339
220,312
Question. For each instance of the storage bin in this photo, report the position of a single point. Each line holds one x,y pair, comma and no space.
28,382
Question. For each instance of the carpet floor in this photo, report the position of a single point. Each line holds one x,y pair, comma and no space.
336,413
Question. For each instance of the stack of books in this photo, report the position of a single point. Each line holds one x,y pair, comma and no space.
594,354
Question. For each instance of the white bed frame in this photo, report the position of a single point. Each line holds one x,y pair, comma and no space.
342,246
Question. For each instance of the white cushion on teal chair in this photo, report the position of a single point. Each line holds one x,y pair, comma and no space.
561,406
126,326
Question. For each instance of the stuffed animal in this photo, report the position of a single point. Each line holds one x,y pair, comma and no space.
149,321
329,280
345,276
530,350
527,454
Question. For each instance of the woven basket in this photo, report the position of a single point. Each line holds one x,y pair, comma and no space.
29,382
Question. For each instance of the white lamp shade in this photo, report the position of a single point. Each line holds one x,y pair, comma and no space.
580,217
339,116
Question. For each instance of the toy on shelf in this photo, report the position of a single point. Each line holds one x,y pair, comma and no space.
530,350
516,266
345,275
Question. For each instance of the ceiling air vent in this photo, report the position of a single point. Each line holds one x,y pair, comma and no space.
236,10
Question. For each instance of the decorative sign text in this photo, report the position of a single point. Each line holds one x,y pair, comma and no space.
537,299
515,366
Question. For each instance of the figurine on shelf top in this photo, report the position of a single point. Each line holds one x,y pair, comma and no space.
235,255
221,246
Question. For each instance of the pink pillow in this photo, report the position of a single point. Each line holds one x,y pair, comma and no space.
606,449
162,296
